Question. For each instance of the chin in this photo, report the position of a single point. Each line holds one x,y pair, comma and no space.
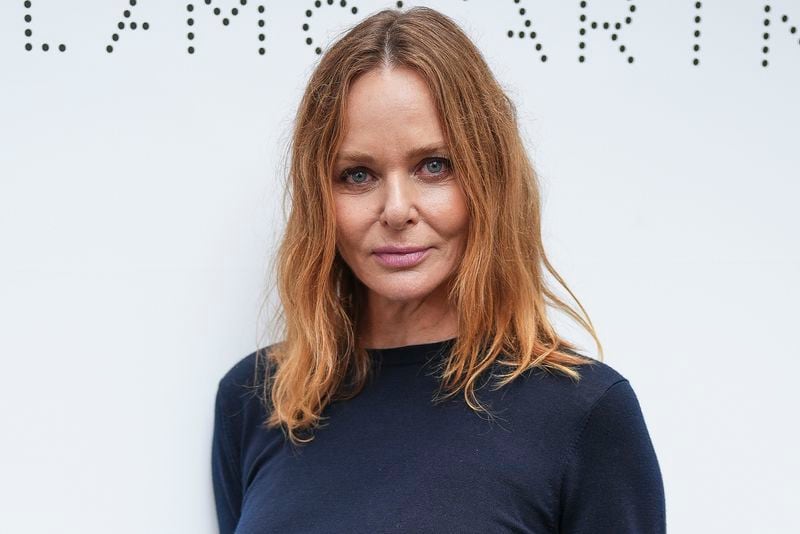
401,291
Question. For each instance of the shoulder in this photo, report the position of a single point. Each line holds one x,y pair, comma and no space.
551,402
243,380
246,370
610,476
577,395
601,409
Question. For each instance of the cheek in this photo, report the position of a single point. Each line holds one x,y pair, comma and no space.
449,209
351,222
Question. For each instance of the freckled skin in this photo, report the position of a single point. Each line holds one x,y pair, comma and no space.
399,200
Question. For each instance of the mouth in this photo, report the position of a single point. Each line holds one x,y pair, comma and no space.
408,257
391,249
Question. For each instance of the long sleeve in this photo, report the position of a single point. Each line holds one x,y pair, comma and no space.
225,467
612,481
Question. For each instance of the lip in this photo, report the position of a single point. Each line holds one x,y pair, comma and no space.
412,256
397,250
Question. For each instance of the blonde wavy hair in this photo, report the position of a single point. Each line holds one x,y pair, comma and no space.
499,290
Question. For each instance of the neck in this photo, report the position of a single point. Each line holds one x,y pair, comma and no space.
393,323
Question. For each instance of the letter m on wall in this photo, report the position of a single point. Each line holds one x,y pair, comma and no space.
219,14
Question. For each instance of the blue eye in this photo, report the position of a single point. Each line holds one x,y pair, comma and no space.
360,176
358,172
438,163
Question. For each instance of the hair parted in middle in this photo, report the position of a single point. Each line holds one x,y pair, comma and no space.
499,291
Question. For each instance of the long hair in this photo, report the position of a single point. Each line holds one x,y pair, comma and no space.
499,289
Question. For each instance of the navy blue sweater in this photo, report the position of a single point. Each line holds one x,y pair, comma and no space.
560,456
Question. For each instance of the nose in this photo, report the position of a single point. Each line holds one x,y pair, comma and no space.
400,201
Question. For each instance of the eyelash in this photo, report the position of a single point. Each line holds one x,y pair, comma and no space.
345,173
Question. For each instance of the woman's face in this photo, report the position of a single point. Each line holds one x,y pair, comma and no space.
393,187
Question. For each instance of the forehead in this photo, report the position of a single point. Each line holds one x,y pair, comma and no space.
390,86
390,110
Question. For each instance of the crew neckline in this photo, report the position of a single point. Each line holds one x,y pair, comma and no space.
411,354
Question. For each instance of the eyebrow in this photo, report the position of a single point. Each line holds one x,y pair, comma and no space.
416,152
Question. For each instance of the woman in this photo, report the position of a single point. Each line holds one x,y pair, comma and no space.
412,270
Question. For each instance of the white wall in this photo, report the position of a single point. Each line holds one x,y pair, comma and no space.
140,204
